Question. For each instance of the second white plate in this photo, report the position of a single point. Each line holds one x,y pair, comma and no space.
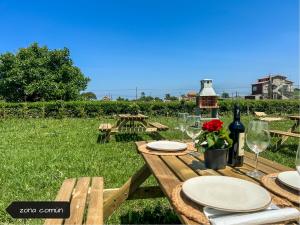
226,193
290,178
167,146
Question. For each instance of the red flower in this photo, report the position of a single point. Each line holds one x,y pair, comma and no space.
213,125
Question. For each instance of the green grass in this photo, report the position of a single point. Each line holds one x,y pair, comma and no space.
36,155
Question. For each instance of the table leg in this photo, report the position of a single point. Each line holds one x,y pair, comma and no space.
115,200
292,129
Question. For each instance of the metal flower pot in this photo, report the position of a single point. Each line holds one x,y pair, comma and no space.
216,159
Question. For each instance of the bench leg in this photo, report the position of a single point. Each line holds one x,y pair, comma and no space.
115,200
292,129
107,136
103,137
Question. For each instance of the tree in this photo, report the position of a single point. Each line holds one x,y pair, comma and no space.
158,99
37,73
88,96
120,99
170,98
225,95
296,93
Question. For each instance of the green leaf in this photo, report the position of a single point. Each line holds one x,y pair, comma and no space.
210,142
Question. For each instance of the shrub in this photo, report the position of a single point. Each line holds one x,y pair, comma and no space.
60,109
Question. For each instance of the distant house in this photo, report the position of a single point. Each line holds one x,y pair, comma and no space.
106,98
272,87
190,96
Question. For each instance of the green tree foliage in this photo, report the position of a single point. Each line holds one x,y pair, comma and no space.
170,98
37,73
225,95
148,98
296,93
88,96
122,99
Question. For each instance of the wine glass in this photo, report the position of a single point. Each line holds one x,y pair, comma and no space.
181,121
257,139
193,127
297,162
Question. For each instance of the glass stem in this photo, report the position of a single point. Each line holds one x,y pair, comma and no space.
182,135
256,161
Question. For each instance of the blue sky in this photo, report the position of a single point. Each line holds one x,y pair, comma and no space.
161,46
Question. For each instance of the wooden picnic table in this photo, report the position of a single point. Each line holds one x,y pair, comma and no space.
170,171
291,132
130,123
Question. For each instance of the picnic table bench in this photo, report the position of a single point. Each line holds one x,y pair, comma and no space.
128,123
291,132
264,117
159,126
86,201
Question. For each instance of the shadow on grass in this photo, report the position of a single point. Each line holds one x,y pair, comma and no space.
287,149
126,137
121,137
102,138
156,215
156,136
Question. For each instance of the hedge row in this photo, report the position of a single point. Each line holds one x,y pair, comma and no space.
60,109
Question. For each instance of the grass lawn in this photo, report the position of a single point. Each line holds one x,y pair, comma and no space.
36,155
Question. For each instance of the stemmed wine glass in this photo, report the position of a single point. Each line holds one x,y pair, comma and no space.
297,162
257,139
181,121
193,127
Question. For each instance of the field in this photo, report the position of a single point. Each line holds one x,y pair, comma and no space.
36,155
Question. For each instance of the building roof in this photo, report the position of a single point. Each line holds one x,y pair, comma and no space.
206,88
192,94
279,76
208,91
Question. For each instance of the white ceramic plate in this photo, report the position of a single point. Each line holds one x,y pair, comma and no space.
227,193
290,178
167,146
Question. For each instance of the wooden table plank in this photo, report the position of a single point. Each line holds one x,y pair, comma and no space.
272,164
166,178
95,209
248,161
78,201
294,117
197,166
180,169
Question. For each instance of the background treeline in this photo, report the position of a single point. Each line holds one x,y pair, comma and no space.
82,109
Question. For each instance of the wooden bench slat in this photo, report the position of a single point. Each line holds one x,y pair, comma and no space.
64,194
65,191
159,126
260,114
95,208
78,201
284,133
105,127
150,129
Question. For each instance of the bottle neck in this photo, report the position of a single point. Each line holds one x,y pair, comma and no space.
236,114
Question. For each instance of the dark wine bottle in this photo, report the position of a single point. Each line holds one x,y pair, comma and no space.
237,134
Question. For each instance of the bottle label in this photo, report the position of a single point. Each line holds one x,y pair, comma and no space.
241,144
